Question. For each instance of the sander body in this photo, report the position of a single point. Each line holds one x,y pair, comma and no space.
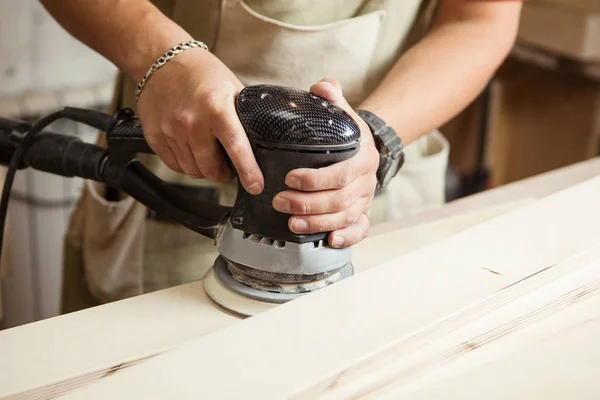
260,257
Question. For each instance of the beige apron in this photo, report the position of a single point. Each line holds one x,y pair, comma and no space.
113,251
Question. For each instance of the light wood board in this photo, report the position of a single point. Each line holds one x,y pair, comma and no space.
555,358
59,354
310,345
538,186
129,330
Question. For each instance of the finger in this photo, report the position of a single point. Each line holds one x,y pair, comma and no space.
351,235
319,202
328,89
226,127
307,224
331,90
334,176
210,159
164,152
185,158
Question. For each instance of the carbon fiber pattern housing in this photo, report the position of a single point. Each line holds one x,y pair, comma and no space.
293,117
126,135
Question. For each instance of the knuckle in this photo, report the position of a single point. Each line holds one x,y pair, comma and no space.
204,154
305,207
323,224
235,147
350,217
210,173
213,101
314,181
347,176
166,129
186,120
188,167
341,202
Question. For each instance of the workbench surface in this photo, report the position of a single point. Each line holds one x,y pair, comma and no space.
56,355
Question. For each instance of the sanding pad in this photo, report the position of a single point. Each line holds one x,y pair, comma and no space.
230,301
244,301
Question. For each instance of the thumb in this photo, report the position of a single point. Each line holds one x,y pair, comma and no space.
331,90
232,136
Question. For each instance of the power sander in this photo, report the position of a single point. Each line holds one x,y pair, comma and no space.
261,262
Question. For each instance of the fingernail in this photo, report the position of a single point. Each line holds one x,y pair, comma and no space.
255,188
299,225
293,182
337,241
282,204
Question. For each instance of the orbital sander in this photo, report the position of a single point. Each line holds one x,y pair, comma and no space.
261,262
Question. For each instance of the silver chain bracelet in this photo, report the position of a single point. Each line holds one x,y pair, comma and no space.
163,60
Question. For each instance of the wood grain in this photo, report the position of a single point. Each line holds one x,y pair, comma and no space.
559,361
313,341
105,340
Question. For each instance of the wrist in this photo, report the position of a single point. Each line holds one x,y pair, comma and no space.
156,35
388,144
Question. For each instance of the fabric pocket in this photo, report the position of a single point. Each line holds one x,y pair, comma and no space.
112,244
259,49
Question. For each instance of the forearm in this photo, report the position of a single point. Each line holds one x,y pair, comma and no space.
129,33
443,73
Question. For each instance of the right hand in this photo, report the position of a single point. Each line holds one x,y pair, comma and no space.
186,107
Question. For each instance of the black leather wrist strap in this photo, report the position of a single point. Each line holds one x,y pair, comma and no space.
389,145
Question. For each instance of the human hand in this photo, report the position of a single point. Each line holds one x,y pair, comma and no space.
336,198
187,108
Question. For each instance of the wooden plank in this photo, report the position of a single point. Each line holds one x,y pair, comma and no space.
122,329
569,32
127,322
538,186
559,361
311,343
505,322
86,345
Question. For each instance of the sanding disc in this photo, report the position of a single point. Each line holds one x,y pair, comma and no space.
244,301
232,302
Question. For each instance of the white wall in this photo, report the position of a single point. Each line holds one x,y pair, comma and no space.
38,55
42,68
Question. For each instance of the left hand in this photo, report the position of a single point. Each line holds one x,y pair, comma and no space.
336,198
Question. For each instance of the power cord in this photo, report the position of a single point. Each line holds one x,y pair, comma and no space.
95,119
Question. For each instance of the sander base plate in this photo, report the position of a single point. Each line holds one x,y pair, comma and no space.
244,301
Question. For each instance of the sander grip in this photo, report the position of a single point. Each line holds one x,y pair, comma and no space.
254,214
288,129
126,135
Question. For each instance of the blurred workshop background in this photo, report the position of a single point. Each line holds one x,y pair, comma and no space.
540,112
